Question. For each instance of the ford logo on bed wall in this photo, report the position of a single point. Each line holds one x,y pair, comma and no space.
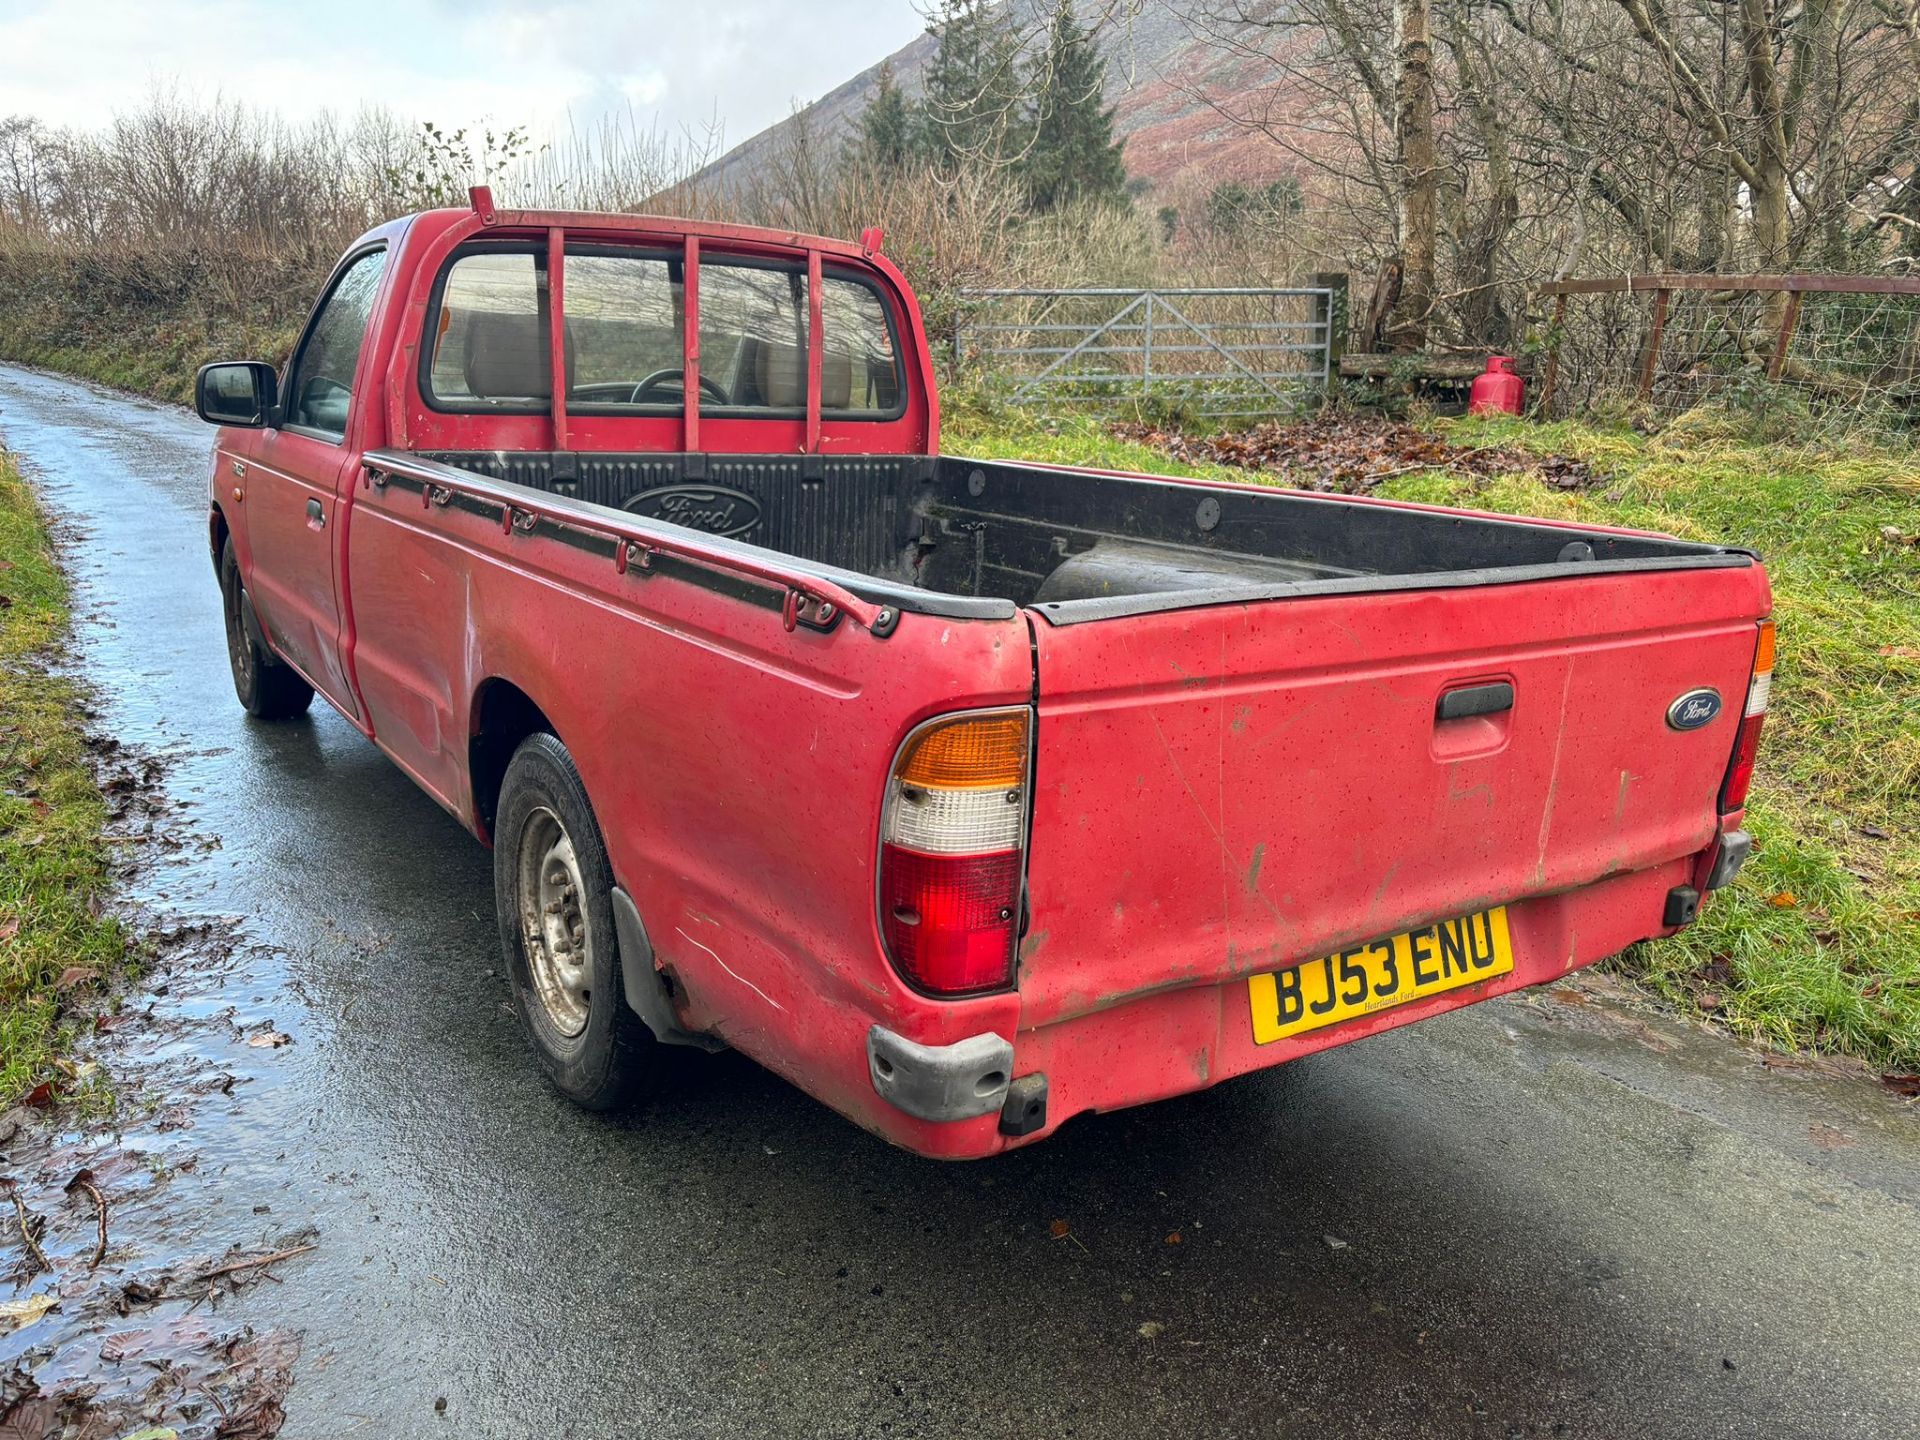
713,508
1693,709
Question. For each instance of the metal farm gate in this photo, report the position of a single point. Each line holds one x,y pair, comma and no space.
1241,353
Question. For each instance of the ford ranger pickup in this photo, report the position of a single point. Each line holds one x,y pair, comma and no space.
969,795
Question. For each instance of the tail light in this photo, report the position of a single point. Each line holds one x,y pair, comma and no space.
952,837
1733,793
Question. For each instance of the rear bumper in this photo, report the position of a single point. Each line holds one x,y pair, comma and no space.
1156,1046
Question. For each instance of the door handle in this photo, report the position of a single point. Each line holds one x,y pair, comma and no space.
315,514
1471,700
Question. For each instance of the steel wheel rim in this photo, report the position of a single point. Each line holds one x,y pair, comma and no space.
239,652
553,922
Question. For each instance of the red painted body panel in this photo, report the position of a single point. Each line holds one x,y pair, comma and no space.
1216,790
736,767
1248,785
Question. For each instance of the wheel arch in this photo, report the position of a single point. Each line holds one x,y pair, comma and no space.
217,532
503,715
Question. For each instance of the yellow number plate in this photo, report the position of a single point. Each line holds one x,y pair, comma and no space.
1380,975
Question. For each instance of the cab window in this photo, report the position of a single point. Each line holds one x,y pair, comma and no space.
320,388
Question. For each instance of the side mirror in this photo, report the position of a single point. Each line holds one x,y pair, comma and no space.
242,393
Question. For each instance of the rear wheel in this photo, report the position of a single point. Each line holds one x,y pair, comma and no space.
553,888
268,687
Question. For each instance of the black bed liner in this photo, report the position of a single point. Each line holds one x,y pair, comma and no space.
1076,545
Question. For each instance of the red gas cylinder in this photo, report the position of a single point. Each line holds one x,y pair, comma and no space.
1499,391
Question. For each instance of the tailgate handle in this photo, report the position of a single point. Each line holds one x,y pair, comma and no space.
1472,700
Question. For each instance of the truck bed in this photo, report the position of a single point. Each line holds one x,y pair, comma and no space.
1077,545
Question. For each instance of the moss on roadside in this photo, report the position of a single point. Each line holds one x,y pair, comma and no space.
57,953
1817,946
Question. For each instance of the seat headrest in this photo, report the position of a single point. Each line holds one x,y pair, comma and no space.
506,356
780,374
836,380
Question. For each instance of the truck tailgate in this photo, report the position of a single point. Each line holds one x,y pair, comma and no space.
1224,790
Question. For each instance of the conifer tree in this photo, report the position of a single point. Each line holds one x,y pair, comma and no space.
1072,153
886,125
971,98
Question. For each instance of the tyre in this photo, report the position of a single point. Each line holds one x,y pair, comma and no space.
553,889
268,687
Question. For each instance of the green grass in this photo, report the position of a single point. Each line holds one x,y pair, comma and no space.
1817,945
53,860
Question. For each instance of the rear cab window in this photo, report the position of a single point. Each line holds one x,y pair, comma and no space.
625,312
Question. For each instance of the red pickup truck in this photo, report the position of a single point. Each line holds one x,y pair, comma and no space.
969,795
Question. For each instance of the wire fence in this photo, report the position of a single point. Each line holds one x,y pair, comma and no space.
1219,352
1840,342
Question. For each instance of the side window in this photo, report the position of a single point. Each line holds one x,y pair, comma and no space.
753,338
322,383
859,363
490,335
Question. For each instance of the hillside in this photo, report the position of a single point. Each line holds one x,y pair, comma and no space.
1157,70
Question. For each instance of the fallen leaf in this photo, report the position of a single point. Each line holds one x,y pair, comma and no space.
1150,1329
1174,1238
1827,1137
9,929
1900,652
154,1432
1354,454
75,975
1784,900
269,1040
41,1096
1908,1085
1058,1229
21,1313
1708,1000
30,1416
1334,1242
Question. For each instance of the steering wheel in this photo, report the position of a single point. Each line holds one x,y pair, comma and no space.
662,380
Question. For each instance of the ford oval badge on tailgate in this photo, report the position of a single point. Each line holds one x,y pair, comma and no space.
713,508
1693,709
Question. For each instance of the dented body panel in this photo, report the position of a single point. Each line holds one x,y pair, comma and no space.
1222,784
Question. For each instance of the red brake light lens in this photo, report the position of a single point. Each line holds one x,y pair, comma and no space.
949,918
1733,795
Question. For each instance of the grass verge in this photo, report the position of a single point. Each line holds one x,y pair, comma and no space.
1817,946
57,952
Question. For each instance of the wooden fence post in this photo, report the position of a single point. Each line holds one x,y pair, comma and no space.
1332,312
1552,376
1653,342
1789,318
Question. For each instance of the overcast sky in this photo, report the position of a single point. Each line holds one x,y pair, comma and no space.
73,62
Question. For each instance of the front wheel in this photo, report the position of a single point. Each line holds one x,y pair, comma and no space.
268,687
553,889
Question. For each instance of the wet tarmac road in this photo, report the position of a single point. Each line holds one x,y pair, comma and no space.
1545,1215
